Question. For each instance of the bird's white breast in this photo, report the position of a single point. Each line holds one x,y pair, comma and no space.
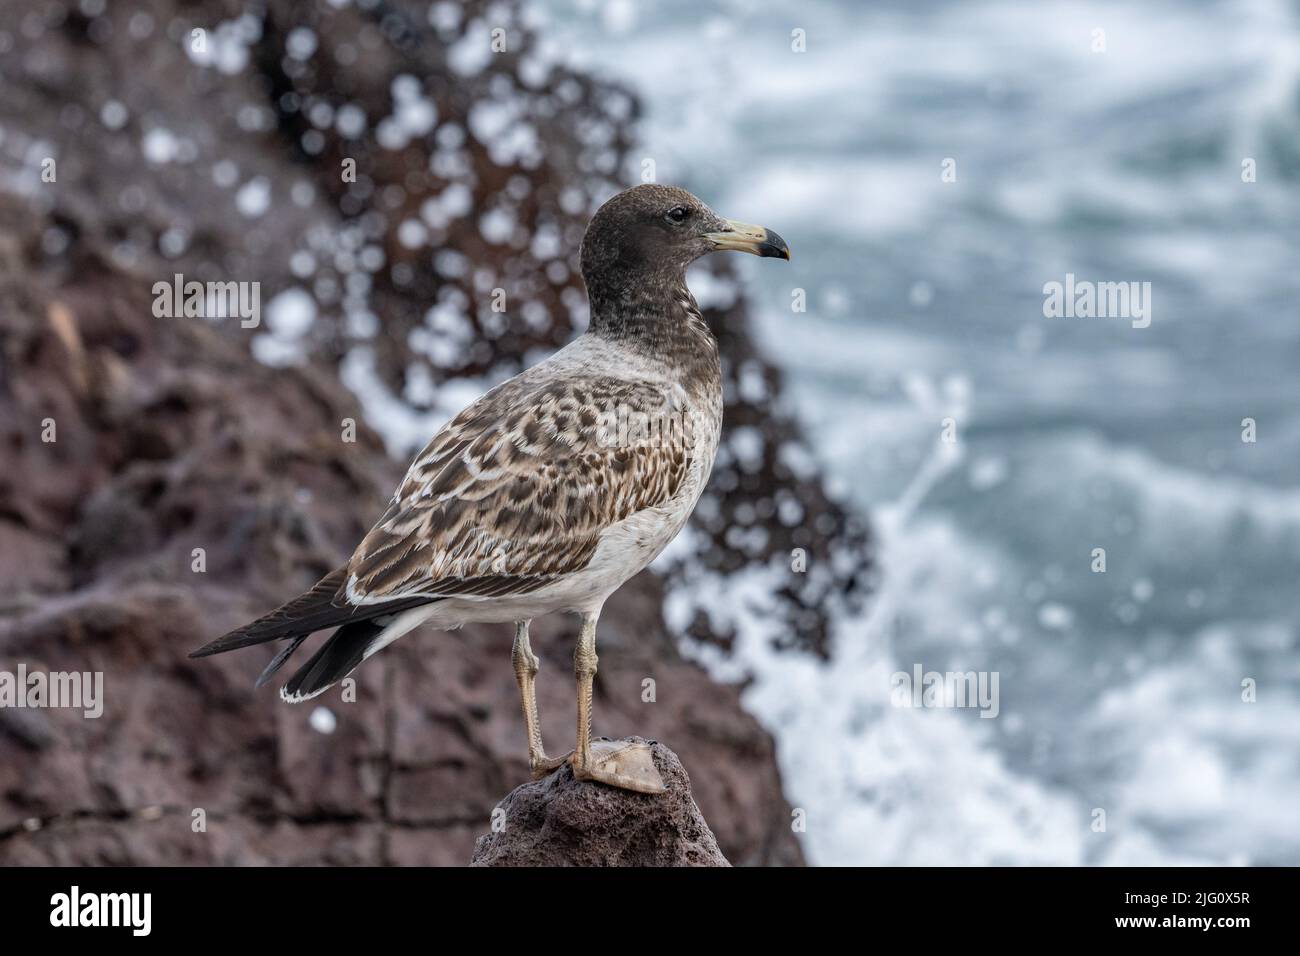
626,547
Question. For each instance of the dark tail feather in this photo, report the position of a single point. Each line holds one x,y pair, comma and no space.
278,661
313,611
336,658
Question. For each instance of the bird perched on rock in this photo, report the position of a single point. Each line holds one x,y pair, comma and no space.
552,489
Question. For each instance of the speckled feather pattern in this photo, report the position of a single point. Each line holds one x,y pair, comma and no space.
517,490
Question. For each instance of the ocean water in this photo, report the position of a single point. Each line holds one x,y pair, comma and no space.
1119,691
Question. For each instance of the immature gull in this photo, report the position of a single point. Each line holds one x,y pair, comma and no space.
552,489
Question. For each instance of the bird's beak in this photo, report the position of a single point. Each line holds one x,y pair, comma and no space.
743,237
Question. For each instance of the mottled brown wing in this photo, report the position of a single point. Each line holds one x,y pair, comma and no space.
515,491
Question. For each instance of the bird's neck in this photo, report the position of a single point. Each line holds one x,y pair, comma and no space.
657,317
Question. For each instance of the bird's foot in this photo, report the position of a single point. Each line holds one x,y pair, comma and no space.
620,763
540,767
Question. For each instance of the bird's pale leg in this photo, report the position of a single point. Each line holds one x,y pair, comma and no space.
627,765
584,669
526,664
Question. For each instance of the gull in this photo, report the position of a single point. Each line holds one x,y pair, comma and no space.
553,488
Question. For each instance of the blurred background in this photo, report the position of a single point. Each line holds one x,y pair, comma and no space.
1095,139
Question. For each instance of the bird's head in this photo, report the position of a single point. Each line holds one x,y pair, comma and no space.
651,229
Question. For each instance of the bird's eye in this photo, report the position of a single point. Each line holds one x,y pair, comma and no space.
677,214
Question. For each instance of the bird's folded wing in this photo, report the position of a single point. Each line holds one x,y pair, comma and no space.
515,492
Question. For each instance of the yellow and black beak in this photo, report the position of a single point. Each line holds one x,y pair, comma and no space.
742,237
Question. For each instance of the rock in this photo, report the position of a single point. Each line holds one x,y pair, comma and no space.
562,821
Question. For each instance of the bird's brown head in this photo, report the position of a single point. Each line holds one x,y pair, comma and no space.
653,232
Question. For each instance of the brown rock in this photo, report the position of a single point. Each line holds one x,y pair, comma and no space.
562,821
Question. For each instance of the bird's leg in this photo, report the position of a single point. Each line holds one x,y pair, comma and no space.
584,669
526,664
617,763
